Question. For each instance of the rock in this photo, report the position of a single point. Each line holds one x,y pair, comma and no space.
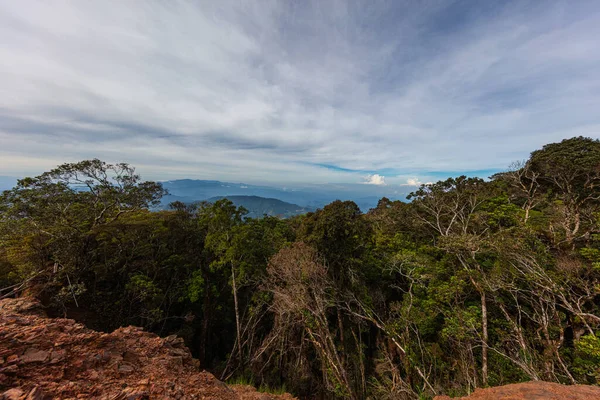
21,306
12,394
57,356
62,359
126,368
130,357
533,391
10,370
131,394
34,356
35,394
175,362
13,358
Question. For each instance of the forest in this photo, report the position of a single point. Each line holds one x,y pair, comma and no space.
470,283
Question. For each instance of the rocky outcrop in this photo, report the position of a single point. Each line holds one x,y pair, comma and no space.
43,358
533,391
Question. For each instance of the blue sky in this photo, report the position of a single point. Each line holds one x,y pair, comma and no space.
396,92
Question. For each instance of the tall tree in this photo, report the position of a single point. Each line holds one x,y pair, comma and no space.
221,218
571,170
64,208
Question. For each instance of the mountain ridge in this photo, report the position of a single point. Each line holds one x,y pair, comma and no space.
311,196
258,206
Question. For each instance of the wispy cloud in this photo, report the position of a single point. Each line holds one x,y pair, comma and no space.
294,92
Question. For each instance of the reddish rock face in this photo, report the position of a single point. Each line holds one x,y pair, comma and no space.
33,355
533,391
42,358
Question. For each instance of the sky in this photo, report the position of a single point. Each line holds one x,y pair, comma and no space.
295,92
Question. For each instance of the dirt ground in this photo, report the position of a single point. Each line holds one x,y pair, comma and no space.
533,391
54,358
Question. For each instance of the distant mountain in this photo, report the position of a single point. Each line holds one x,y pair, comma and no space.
189,190
309,196
259,206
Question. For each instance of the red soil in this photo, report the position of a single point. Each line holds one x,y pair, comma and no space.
533,391
43,358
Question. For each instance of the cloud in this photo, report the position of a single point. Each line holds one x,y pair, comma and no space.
278,92
375,179
413,182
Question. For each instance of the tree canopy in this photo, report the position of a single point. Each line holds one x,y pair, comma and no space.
471,283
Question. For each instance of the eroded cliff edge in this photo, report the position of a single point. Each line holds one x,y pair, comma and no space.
49,358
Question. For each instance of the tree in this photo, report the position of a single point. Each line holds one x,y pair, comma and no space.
524,186
571,170
341,235
452,208
221,218
63,209
303,295
449,206
251,246
472,283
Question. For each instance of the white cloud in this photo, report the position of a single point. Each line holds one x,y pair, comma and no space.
413,182
375,179
266,92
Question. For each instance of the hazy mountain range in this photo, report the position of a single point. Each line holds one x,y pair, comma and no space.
259,206
271,200
308,196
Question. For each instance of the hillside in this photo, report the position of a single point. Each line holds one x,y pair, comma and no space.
192,190
259,206
43,358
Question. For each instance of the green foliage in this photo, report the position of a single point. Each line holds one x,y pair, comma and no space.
143,288
501,213
195,288
587,358
402,302
245,380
